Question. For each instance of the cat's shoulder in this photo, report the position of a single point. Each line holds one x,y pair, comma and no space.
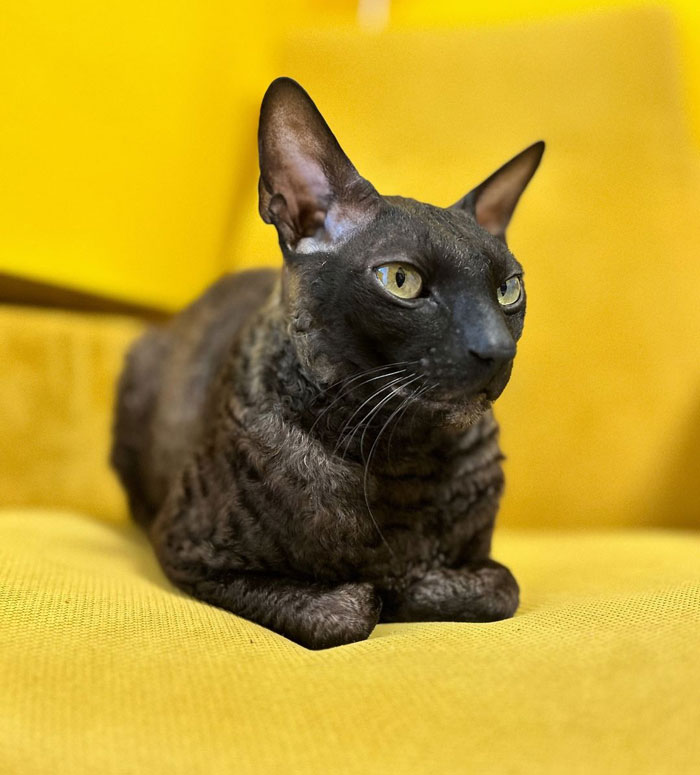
234,293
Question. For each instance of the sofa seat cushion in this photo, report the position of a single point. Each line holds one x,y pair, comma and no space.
106,668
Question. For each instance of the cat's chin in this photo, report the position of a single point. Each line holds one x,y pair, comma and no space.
458,411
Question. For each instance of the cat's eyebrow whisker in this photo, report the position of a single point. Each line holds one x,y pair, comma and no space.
347,438
345,391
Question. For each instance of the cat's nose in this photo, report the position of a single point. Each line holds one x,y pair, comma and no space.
486,343
490,367
494,353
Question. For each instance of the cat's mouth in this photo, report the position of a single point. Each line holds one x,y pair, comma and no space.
470,387
461,394
457,413
457,401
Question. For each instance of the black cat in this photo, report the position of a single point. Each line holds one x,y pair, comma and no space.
314,449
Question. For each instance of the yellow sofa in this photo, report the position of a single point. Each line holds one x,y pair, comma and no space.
106,668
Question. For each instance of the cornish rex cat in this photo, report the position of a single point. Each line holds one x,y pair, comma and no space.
313,449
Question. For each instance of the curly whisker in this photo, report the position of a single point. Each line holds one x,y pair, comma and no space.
376,410
416,394
345,390
344,437
357,375
369,461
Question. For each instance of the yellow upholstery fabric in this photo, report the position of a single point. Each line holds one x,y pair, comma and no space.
107,669
104,667
455,13
59,373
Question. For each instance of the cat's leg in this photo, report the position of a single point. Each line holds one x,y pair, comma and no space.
219,555
483,591
313,615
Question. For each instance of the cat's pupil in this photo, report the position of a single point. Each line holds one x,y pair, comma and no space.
503,289
400,277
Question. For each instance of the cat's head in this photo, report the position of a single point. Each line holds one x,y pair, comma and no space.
372,280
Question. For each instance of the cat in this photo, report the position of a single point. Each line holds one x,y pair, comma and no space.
314,449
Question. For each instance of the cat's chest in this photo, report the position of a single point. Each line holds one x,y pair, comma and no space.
396,521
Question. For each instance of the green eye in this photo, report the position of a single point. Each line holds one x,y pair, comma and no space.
509,293
401,280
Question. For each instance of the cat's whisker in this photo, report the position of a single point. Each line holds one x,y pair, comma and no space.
416,394
344,392
344,437
358,375
369,460
376,410
348,423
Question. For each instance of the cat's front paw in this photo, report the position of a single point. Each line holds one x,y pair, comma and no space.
346,614
486,592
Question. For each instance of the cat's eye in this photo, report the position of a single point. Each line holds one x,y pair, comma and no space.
509,292
401,280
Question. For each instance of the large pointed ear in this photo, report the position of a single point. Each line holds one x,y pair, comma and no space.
308,187
492,202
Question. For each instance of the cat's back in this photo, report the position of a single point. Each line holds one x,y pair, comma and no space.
166,382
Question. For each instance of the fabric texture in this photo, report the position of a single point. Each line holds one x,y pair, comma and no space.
60,371
107,669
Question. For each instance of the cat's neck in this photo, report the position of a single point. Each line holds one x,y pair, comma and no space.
381,412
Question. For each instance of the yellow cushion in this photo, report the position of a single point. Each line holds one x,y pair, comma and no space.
56,393
107,669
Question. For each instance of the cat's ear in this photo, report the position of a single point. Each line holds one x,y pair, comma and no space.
308,187
492,202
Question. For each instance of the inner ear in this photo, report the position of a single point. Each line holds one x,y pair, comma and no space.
492,202
308,187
